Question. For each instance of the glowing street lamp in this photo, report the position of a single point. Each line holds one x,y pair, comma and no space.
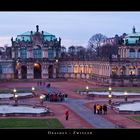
87,88
33,90
16,99
110,95
110,99
56,60
110,89
14,91
42,99
125,96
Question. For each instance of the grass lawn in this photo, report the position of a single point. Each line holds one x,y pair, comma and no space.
18,91
135,118
119,89
30,123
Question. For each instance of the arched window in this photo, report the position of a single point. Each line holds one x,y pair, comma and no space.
16,52
138,53
75,68
132,53
50,53
0,69
37,52
131,70
23,52
114,70
123,70
138,70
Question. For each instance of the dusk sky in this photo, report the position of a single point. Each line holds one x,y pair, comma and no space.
74,28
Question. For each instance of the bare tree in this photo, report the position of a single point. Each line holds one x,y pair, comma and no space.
63,52
81,52
72,51
108,50
96,40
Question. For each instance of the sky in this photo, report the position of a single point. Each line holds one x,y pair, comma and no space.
74,28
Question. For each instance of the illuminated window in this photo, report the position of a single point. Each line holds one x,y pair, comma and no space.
81,69
131,70
75,69
114,70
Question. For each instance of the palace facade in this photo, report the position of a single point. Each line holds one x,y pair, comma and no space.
37,55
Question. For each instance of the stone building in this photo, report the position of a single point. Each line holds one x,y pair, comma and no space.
36,55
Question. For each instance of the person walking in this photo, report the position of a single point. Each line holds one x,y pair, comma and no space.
67,114
95,109
105,108
98,108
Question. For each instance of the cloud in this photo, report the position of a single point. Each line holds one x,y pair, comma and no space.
69,42
5,40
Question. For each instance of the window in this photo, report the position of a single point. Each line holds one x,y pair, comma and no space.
0,69
50,53
132,53
23,52
37,52
16,52
138,71
138,53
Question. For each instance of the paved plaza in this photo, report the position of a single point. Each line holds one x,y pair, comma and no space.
79,106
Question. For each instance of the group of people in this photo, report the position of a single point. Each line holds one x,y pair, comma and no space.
43,83
100,109
56,97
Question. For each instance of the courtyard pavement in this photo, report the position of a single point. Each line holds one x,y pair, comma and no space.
81,116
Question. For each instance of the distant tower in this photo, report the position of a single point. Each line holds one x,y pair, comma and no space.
37,28
134,30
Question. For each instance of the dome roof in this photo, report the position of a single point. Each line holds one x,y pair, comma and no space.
132,38
27,36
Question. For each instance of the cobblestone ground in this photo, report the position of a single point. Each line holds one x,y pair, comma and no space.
121,120
75,120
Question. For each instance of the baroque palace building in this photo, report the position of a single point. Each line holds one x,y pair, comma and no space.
37,55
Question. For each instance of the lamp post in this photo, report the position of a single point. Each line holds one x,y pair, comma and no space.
15,97
110,89
42,99
110,99
14,91
33,90
110,95
125,96
87,89
56,60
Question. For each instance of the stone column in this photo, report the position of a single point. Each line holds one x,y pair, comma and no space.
110,70
127,53
18,52
28,53
54,72
127,70
31,53
13,53
43,53
136,53
136,71
30,71
54,53
19,73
